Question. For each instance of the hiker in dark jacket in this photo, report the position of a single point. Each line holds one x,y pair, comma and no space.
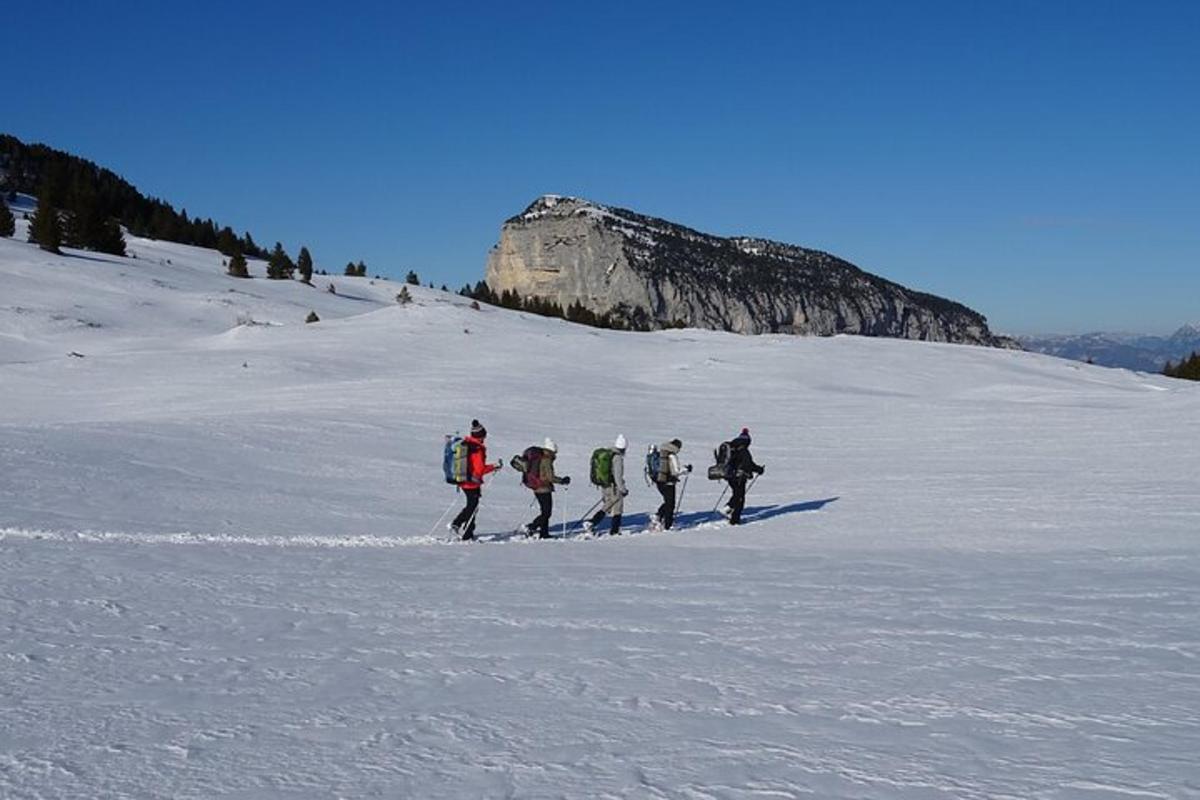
477,467
669,472
741,466
544,491
612,496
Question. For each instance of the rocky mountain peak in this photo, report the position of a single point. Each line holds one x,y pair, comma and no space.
652,272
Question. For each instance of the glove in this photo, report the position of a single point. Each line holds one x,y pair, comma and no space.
687,468
566,480
499,466
624,493
761,469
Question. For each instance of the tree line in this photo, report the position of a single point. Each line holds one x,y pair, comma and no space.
1188,368
575,312
92,203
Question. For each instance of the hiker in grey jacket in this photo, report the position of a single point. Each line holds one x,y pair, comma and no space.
669,472
612,497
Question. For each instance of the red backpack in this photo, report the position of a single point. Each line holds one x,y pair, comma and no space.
530,464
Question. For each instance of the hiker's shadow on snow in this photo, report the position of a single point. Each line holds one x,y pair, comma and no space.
696,518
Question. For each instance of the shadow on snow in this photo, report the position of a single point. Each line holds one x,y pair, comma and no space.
694,519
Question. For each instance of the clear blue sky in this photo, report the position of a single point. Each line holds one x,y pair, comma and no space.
1037,161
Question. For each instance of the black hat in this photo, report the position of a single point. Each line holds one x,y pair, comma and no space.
677,443
477,430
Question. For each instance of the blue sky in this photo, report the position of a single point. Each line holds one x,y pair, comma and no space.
1037,161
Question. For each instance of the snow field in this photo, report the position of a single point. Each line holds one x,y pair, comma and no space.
972,574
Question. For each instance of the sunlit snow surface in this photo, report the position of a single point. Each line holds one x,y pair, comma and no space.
969,573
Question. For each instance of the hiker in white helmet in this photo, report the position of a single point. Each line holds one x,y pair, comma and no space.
608,473
537,464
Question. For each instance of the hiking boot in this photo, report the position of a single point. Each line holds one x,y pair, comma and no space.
588,527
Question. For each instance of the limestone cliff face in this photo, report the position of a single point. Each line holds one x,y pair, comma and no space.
652,272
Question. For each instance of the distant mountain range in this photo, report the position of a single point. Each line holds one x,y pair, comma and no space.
1128,350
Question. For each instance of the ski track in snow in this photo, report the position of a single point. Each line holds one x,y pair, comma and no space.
969,573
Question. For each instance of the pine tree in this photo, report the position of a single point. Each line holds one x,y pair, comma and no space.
351,270
8,225
237,266
1187,368
304,264
279,265
362,269
404,297
227,242
312,317
411,279
249,247
109,238
45,228
88,226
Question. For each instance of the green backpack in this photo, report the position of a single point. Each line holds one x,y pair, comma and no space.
602,467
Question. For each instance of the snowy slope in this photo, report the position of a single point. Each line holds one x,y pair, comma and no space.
970,573
96,302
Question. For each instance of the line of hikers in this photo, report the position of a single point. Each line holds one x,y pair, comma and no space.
465,465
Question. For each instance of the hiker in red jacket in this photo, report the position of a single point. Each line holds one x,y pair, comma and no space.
477,467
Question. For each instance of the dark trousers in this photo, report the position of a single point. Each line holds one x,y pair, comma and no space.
541,523
666,512
738,500
616,521
467,515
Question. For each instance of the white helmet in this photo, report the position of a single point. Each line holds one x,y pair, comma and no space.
550,445
620,442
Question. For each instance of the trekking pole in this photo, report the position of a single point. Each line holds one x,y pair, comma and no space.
722,497
562,514
437,524
588,513
682,491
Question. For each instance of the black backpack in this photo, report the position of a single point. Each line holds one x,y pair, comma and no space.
723,469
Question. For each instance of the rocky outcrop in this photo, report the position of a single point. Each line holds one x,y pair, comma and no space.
650,272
